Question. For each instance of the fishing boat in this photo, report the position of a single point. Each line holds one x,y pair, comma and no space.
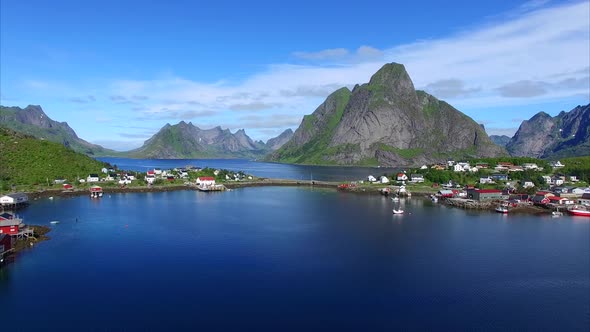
556,213
579,210
398,211
502,209
395,199
53,222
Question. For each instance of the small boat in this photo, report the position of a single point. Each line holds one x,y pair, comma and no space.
395,199
54,222
557,213
433,198
398,211
502,209
579,211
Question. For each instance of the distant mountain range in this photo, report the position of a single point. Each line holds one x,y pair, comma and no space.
185,140
385,122
500,140
31,120
544,136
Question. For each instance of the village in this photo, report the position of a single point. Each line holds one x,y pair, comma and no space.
502,186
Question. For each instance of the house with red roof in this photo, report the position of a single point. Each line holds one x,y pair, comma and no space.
205,181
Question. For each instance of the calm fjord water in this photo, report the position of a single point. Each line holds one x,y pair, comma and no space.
279,258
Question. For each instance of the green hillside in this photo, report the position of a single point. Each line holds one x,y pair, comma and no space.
25,160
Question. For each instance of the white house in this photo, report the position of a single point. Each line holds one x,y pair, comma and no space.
573,178
530,166
15,198
528,184
205,181
384,179
92,178
130,176
458,168
402,177
150,178
557,181
547,179
104,170
474,169
557,164
486,180
157,171
371,178
424,167
416,178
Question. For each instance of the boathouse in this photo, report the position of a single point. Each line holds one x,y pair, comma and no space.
6,246
14,199
484,194
9,224
205,181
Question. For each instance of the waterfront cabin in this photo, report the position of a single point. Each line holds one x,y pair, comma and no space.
402,177
445,193
157,171
95,192
585,200
484,194
560,200
92,178
542,197
383,179
14,200
9,224
371,178
205,181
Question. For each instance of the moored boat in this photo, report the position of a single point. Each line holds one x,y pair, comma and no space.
502,209
400,211
579,211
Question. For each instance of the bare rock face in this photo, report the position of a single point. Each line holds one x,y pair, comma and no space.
385,122
276,142
544,136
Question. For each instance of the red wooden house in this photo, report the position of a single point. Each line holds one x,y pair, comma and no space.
9,224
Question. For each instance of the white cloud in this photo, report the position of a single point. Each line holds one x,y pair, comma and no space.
547,47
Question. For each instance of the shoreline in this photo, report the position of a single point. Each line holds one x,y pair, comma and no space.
262,183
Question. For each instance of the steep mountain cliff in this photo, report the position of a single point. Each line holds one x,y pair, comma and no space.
500,140
31,120
544,136
277,142
184,140
385,122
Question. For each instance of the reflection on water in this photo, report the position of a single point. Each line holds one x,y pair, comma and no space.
261,258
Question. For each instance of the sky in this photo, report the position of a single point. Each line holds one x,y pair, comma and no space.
117,71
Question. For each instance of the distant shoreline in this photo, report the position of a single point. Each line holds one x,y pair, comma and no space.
259,183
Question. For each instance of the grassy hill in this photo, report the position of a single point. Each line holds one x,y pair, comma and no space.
25,160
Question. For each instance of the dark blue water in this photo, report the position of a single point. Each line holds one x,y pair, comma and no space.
277,258
260,169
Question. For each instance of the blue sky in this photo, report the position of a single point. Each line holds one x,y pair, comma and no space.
117,71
